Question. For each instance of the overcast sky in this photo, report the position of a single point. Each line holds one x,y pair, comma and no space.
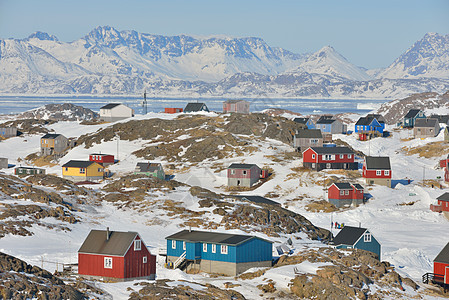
368,33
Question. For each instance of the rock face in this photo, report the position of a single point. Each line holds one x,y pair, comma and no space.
20,280
60,112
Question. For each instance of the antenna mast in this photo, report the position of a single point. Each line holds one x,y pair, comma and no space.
144,102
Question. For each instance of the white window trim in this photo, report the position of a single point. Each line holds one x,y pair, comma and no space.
367,237
313,156
347,192
342,156
378,172
205,247
108,262
233,172
342,192
224,249
387,172
349,155
245,172
183,245
137,245
173,244
144,259
214,248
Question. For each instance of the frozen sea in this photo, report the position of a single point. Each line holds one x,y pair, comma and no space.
18,104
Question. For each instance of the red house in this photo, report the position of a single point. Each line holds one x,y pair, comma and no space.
115,254
172,110
319,158
443,203
104,159
377,170
245,175
345,194
440,273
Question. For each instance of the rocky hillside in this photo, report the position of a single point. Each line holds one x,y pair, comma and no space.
60,112
430,103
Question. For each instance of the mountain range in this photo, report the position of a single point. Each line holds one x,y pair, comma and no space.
111,62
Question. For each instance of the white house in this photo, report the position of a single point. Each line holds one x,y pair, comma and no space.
115,111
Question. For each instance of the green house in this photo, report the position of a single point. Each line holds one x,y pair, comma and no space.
150,169
28,171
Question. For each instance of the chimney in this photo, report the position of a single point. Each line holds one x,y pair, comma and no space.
107,233
360,224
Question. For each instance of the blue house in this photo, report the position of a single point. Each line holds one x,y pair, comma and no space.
369,125
219,253
305,121
411,116
327,124
357,238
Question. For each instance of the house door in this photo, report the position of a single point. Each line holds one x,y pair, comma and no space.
238,182
446,275
345,166
328,166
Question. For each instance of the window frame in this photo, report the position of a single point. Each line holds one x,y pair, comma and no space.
144,259
214,248
367,237
137,245
378,172
173,244
184,247
224,249
387,172
205,247
107,263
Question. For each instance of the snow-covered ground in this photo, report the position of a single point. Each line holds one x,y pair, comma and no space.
411,235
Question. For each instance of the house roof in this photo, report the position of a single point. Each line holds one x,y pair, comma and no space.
301,120
426,122
377,163
50,136
78,164
148,167
210,237
348,235
241,166
325,121
29,168
332,150
378,117
365,120
357,186
110,105
444,197
117,244
412,113
443,256
343,185
441,118
257,199
194,106
309,133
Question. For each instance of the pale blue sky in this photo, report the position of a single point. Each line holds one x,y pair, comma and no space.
368,33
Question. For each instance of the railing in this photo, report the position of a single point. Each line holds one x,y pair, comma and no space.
179,260
433,278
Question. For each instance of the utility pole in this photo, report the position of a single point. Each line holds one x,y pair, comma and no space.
423,175
144,103
118,139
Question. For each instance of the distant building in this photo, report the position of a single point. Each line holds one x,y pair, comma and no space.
7,132
308,122
425,128
115,254
442,119
236,106
377,170
3,163
443,203
54,144
345,194
172,110
115,111
411,116
104,159
245,175
80,170
440,273
319,158
28,171
306,138
196,107
150,169
327,124
218,253
369,125
357,238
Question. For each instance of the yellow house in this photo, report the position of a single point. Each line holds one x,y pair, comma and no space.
80,170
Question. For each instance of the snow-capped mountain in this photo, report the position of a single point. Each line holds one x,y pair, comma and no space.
327,61
428,57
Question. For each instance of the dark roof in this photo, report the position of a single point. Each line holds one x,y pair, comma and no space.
343,185
101,154
257,199
357,186
426,122
147,167
444,197
332,150
377,163
412,113
348,235
78,163
210,237
325,121
443,256
110,105
309,133
50,136
378,117
241,166
441,118
117,244
29,168
192,107
301,120
365,121
234,101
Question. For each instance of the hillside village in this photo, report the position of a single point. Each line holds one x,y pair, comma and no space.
229,205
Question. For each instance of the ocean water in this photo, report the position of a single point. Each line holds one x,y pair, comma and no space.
19,104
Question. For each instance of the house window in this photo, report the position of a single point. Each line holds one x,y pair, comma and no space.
144,259
108,262
342,156
173,244
378,172
82,170
224,249
204,247
349,155
233,172
66,169
367,237
347,192
342,193
214,248
137,245
244,172
313,156
387,172
183,245
100,170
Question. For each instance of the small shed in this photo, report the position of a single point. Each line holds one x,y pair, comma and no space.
104,159
245,175
196,107
115,254
425,128
236,106
115,111
3,163
150,169
172,110
28,171
357,238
